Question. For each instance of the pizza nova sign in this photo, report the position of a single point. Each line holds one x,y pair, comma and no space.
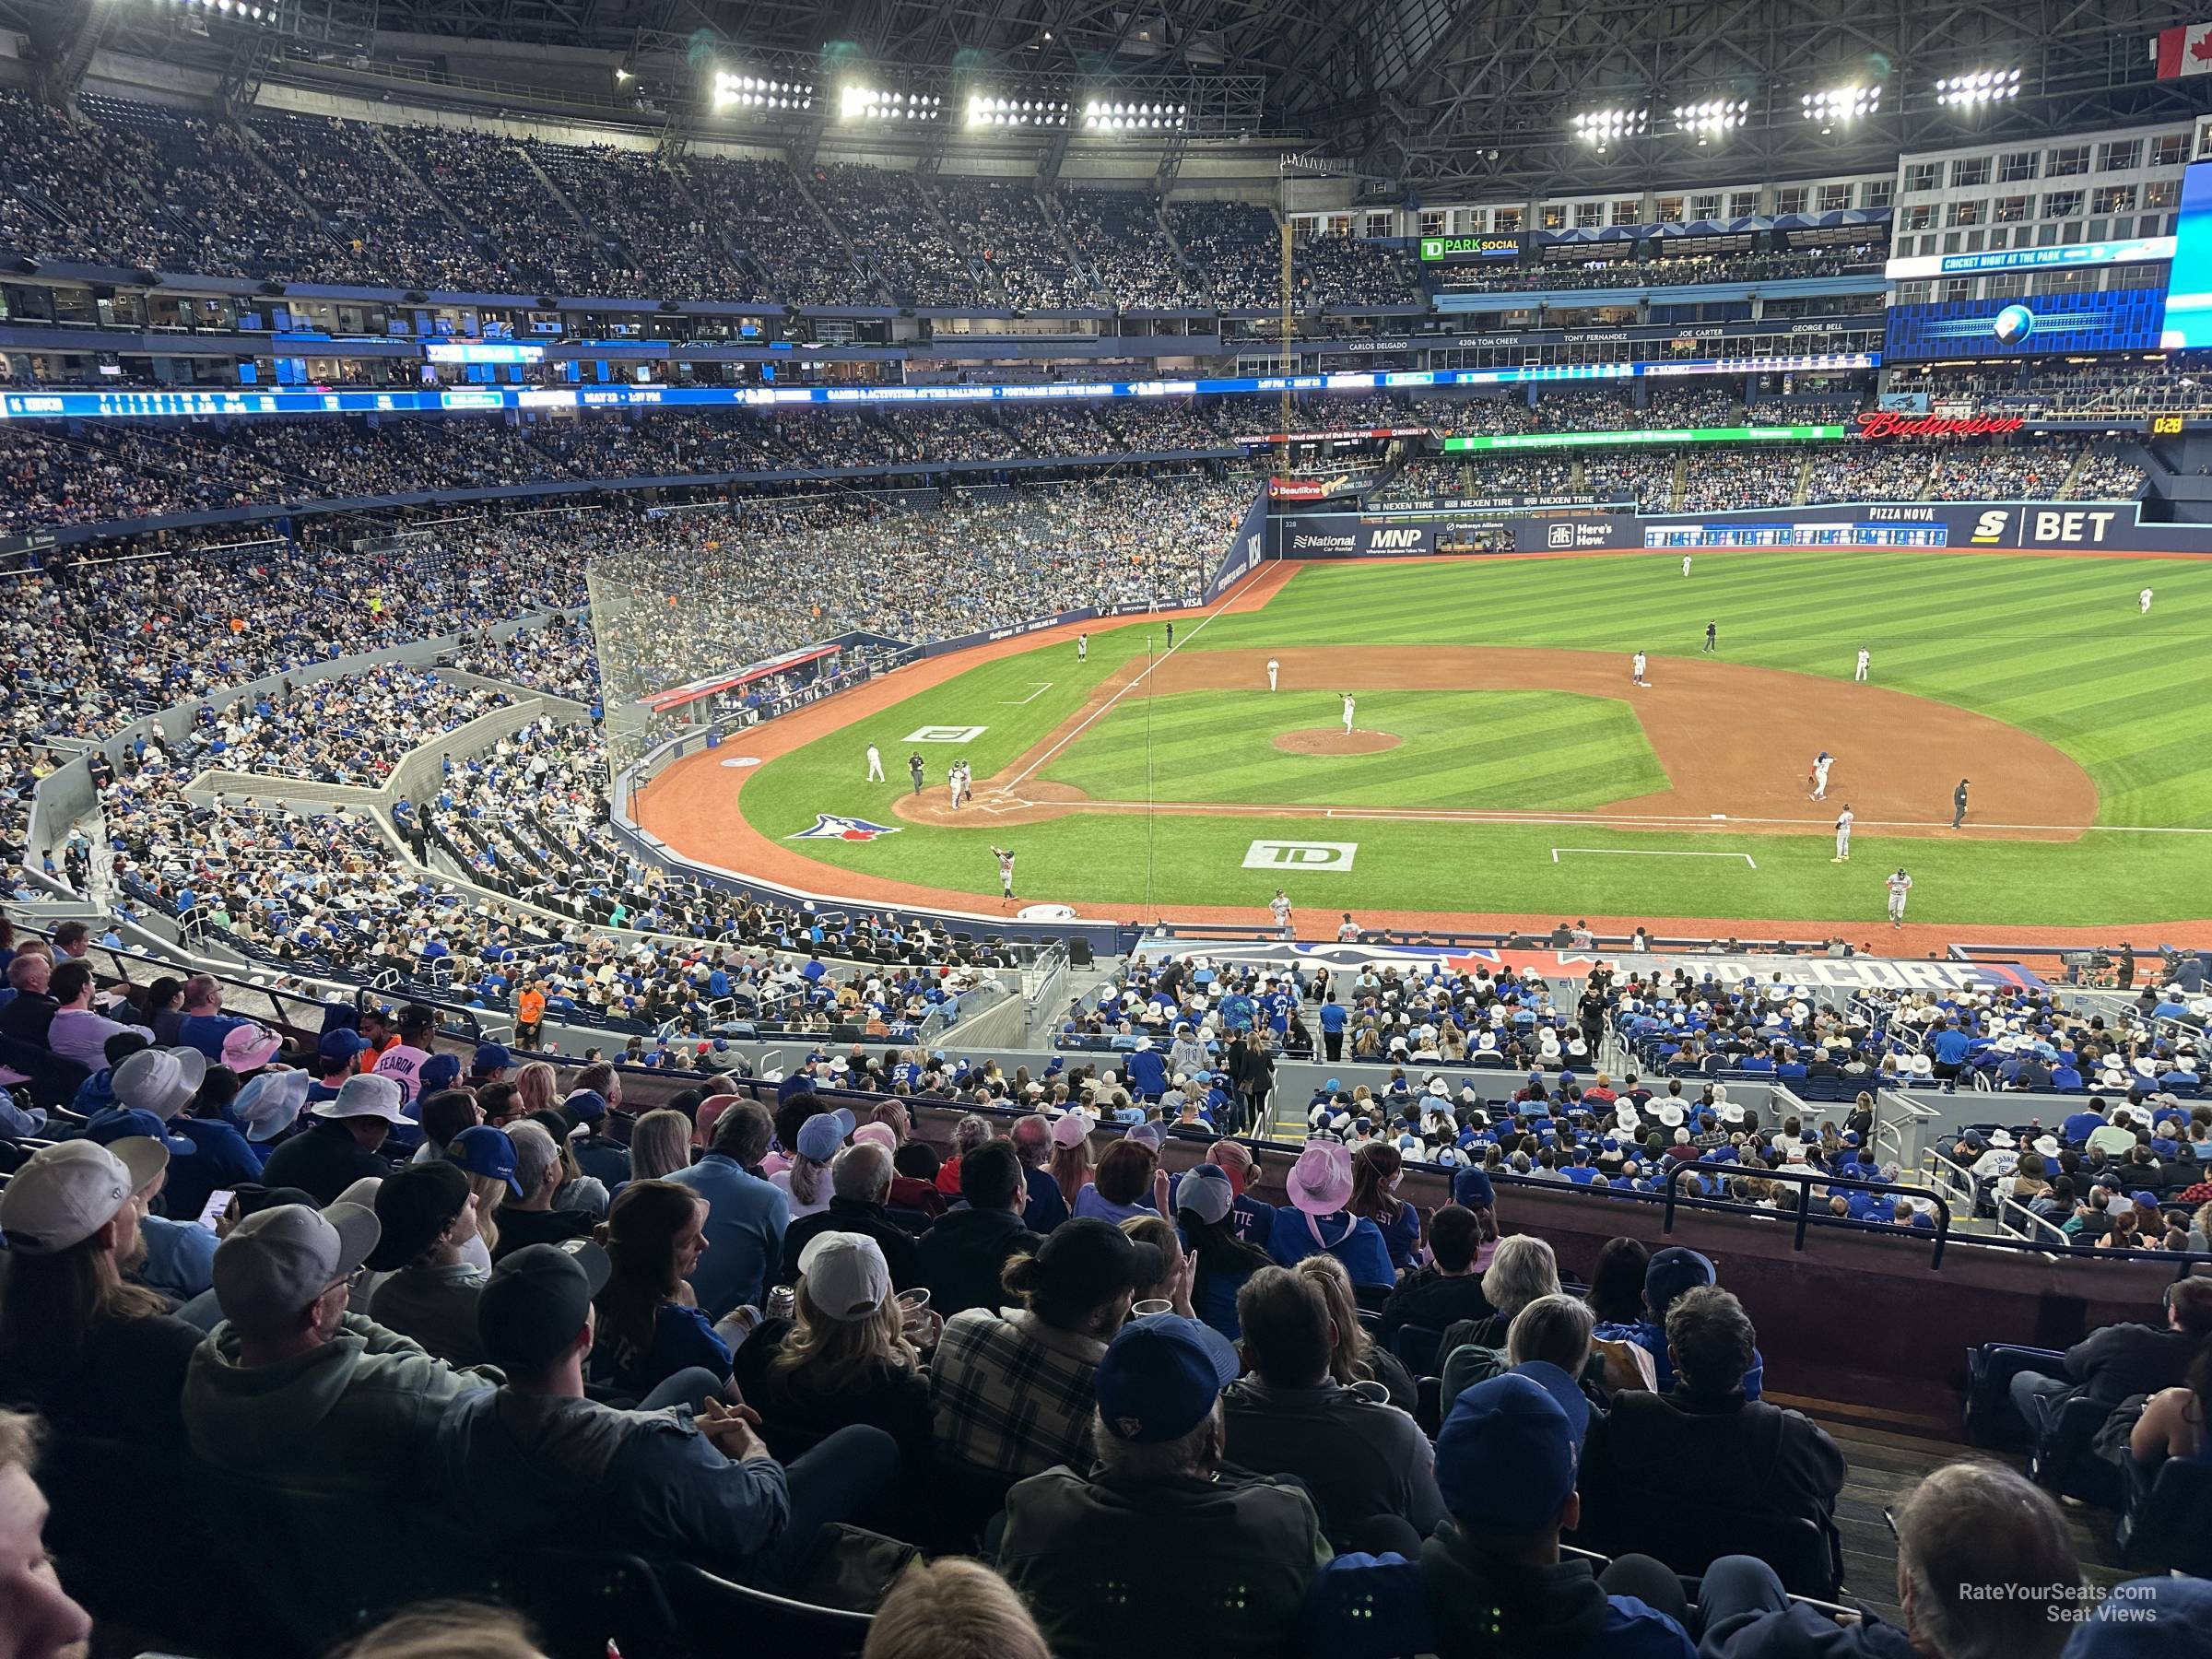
1887,423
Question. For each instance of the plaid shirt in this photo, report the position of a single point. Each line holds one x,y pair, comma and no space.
1012,1393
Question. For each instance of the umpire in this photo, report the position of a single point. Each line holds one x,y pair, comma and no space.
1958,804
915,770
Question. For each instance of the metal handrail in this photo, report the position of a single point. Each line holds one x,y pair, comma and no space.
1804,1178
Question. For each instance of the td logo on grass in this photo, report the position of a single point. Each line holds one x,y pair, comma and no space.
1300,855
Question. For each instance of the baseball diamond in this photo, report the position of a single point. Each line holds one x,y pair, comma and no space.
1510,702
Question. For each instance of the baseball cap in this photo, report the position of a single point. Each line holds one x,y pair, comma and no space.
1671,1272
122,1123
585,1106
414,1204
368,1095
1070,1129
846,1276
491,1057
1205,1191
1159,1377
341,1044
66,1193
250,1047
270,1104
1087,1260
484,1150
535,1302
439,1071
1473,1188
276,1261
1563,1389
1505,1457
158,1080
821,1134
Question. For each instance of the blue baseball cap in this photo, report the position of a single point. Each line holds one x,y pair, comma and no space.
1159,1377
342,1044
1673,1271
439,1071
1563,1389
1506,1455
119,1122
485,1150
585,1106
1472,1188
491,1057
821,1134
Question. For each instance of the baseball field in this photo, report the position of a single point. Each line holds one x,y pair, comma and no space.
1502,762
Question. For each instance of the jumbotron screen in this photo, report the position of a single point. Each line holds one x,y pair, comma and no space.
2189,280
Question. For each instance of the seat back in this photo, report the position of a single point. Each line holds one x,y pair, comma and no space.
2172,1527
1415,1345
1689,1532
54,1079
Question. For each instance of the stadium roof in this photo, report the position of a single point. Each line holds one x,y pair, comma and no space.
1459,99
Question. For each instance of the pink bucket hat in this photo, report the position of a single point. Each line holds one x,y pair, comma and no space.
1321,1180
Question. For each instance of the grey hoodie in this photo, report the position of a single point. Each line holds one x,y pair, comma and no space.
357,1414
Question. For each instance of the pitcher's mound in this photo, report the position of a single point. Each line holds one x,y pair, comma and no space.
1323,740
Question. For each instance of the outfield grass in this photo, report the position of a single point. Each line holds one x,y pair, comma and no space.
1550,750
2052,645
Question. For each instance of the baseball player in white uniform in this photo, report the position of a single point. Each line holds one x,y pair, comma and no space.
1685,564
2145,598
1280,907
1348,712
1006,869
956,776
1636,669
1866,662
874,764
1844,822
1899,884
1821,762
1273,669
1082,647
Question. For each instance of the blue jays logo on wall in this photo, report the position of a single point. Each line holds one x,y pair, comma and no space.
828,825
2013,325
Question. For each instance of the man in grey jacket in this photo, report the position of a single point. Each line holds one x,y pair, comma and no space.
292,1389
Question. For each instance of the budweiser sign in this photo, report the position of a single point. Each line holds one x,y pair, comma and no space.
1885,423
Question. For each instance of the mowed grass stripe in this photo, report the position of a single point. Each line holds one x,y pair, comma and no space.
1459,750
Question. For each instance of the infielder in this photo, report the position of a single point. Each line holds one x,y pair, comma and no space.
1866,662
1006,870
1958,803
2145,598
1280,907
1685,564
1821,762
1843,823
1273,669
1082,647
1348,712
1899,884
914,768
1712,636
874,764
1636,669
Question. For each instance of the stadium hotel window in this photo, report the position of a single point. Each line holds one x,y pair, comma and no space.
1627,213
2120,155
1790,198
1973,241
1378,224
1963,213
1670,210
1957,289
1878,193
1506,221
1969,171
2011,284
2147,275
2011,210
1555,217
1743,204
1589,216
2170,150
2062,203
1921,216
2045,235
2162,193
2071,231
1433,222
2016,166
1705,206
1834,198
2068,161
2112,198
1467,221
1923,175
1914,293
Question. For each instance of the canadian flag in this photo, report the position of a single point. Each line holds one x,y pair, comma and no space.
2184,50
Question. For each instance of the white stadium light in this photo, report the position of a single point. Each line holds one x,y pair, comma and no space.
754,92
1984,86
1840,104
1602,128
1708,120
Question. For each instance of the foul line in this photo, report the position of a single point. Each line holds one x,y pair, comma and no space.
1042,686
1645,852
1029,771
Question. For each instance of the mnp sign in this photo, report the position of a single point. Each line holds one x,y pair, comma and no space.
1301,857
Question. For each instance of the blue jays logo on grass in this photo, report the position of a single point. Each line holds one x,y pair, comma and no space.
828,825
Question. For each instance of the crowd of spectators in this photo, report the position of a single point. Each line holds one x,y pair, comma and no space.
1992,474
1867,473
1635,476
2105,475
1116,234
1002,222
1730,478
1234,251
783,248
895,232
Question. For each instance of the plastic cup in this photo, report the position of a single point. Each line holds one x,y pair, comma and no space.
1152,1306
1373,1392
915,1300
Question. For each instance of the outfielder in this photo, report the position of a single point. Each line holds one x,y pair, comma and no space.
1280,907
2145,598
1348,712
1821,762
1006,870
1865,661
1899,884
1843,823
1273,669
1685,564
1636,669
874,764
1082,647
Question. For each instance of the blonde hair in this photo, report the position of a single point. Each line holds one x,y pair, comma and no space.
1159,1232
1352,1359
830,1356
534,1087
447,1629
489,1190
660,1145
953,1608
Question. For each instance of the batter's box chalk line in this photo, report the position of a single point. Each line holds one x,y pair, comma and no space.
1006,804
1645,852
